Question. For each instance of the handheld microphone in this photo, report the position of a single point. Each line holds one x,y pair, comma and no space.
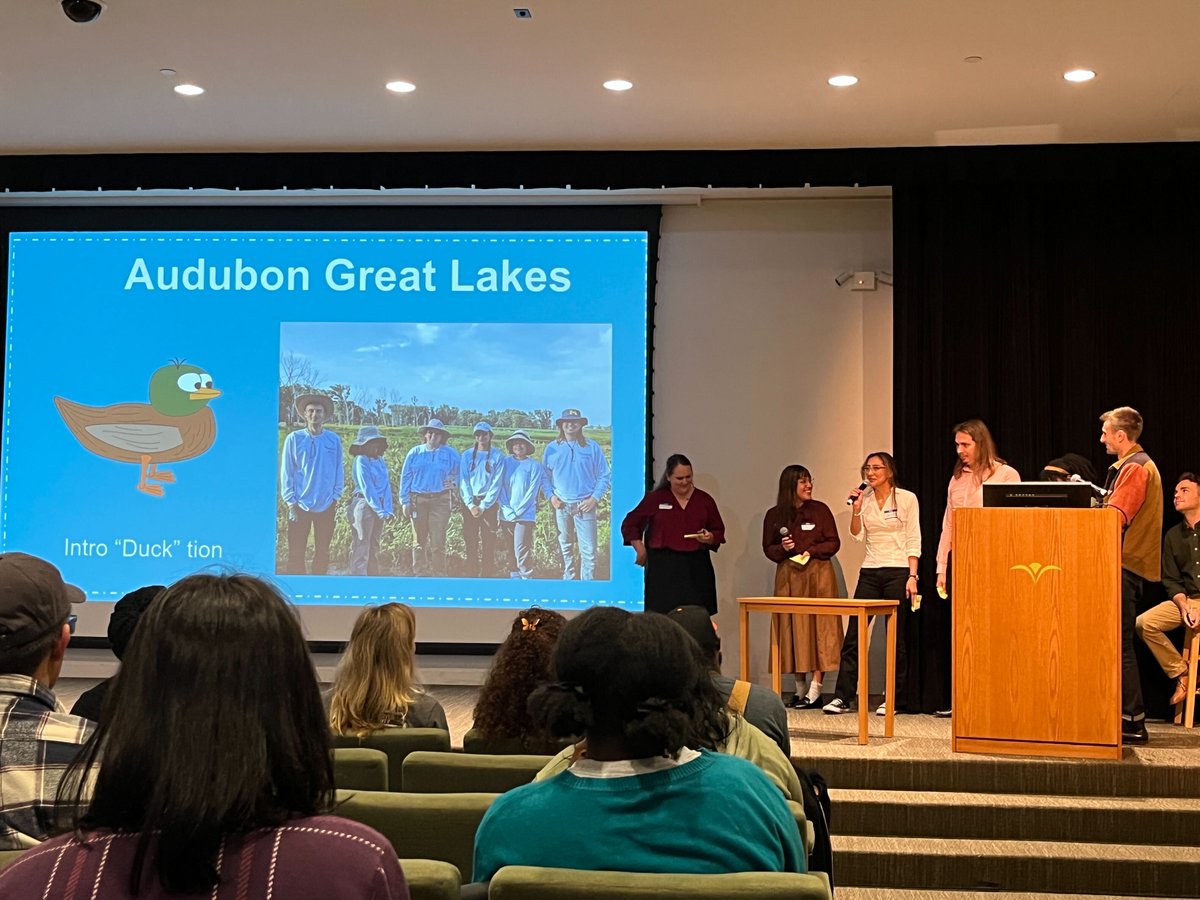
850,499
783,532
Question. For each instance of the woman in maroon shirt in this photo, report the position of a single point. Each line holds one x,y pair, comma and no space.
674,530
801,538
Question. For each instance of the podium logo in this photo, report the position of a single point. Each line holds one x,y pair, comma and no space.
1035,570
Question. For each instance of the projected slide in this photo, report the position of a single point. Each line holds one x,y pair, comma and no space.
447,418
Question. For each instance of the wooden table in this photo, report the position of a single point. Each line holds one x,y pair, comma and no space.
828,606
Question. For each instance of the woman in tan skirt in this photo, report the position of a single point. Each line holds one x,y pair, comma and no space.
801,538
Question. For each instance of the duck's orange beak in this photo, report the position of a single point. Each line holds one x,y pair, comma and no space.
204,394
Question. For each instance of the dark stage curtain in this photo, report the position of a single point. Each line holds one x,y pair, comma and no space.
1036,304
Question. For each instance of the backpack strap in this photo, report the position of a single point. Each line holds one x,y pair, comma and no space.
738,697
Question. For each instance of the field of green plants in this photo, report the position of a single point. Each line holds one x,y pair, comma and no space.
395,549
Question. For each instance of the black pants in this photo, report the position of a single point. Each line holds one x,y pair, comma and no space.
480,534
1133,710
874,584
321,524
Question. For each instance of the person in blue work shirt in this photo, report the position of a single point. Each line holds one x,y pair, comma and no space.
427,483
524,479
371,503
579,476
481,470
311,478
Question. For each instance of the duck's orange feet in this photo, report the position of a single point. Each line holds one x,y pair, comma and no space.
154,490
150,471
154,473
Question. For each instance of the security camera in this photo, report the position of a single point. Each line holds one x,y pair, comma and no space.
82,11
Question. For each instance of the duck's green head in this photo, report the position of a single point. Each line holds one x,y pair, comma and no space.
180,389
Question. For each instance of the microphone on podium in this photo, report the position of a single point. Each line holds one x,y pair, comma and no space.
850,499
1095,487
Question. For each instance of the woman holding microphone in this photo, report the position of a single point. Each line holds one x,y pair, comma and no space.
674,531
886,518
801,538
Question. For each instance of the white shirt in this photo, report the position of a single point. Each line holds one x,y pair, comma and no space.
892,534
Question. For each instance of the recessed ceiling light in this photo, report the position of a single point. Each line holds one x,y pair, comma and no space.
168,72
1079,75
189,90
401,87
972,59
843,80
618,84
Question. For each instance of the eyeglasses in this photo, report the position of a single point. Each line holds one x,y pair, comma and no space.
71,620
874,468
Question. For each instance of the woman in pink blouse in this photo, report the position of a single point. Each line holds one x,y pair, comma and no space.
801,538
674,531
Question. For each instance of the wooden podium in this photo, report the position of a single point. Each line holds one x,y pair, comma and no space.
1037,632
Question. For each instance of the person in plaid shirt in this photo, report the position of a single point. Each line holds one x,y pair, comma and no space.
38,739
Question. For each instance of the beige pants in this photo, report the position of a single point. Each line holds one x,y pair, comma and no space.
1151,627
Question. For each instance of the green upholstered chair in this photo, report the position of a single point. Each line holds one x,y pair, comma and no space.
397,743
421,826
430,879
428,772
8,856
474,741
360,769
530,883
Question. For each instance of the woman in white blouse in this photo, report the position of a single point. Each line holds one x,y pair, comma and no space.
887,519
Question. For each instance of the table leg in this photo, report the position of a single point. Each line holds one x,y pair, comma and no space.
864,646
744,642
776,661
889,723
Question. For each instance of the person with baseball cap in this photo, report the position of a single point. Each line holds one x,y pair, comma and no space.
427,482
311,479
579,477
38,740
481,474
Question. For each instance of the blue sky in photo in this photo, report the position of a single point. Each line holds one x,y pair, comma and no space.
469,365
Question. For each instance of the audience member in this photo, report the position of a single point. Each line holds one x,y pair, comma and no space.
375,686
37,740
121,623
761,708
521,665
212,772
643,797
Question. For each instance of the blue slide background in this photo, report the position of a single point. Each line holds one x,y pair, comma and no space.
75,331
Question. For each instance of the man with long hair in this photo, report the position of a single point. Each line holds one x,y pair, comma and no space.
978,462
1134,488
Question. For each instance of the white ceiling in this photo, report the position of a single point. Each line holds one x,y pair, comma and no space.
308,74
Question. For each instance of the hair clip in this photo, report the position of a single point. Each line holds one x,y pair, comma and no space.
527,625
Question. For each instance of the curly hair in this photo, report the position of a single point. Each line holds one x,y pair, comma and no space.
521,665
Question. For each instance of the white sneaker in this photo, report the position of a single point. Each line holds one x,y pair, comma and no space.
882,711
836,707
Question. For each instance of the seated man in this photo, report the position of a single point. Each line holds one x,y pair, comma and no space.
1180,566
37,739
121,623
760,707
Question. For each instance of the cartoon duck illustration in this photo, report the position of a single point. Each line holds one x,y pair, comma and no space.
175,425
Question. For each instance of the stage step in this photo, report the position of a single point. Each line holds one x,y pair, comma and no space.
857,893
946,864
946,814
1000,775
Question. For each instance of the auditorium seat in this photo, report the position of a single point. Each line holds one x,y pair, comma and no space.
530,883
421,826
397,743
7,856
360,769
429,772
475,741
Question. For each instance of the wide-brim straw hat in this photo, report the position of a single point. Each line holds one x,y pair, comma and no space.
323,399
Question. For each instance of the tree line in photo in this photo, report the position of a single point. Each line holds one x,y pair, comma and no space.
441,500
362,406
